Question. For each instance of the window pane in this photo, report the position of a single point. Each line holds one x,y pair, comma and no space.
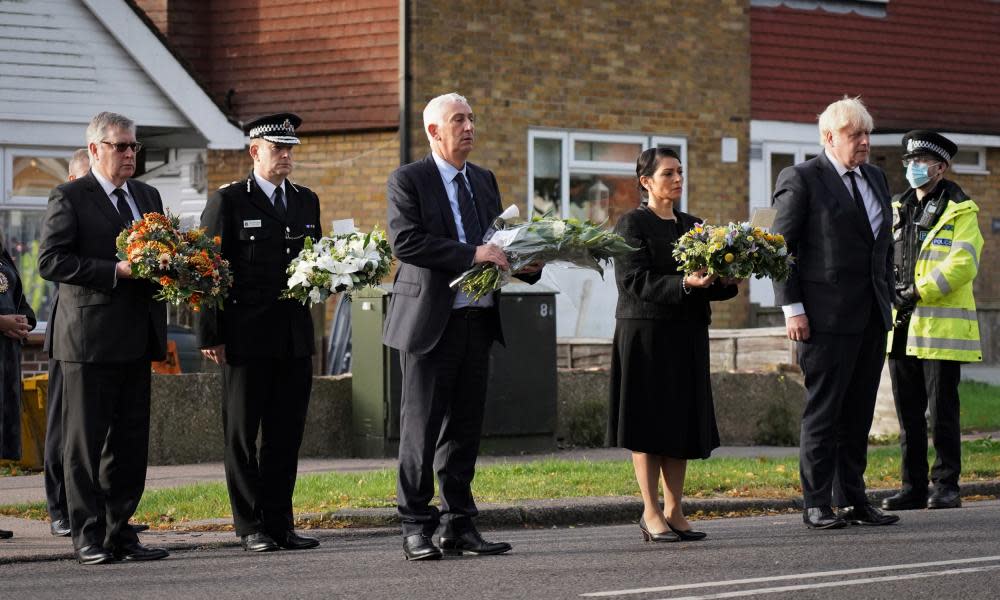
966,157
547,169
779,161
37,175
603,198
606,151
21,232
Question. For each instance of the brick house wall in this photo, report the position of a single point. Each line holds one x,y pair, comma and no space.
681,69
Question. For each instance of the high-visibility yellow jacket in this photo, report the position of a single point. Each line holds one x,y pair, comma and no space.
944,324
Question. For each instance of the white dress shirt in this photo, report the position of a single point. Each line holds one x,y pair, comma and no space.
268,188
109,189
448,173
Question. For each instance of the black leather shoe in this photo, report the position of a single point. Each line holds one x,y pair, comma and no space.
866,514
420,547
905,500
949,499
60,528
94,554
137,551
138,527
472,543
4,534
822,517
258,542
294,541
649,536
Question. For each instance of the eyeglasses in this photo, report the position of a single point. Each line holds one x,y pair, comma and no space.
923,160
122,146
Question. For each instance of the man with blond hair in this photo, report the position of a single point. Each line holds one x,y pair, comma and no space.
834,213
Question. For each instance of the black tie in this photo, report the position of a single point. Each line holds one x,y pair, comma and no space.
470,216
279,203
858,200
122,204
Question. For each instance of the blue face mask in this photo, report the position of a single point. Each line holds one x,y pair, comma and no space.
917,174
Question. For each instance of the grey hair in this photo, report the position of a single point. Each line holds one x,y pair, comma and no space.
434,111
101,122
79,164
847,112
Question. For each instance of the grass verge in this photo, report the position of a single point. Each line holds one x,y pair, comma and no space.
717,477
980,406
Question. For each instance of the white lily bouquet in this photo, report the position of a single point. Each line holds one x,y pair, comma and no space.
339,263
546,239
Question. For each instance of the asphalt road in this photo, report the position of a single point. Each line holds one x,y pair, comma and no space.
930,554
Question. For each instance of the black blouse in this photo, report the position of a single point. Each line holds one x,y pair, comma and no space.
649,283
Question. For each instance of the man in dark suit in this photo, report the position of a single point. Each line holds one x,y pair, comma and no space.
834,213
439,208
106,330
264,344
55,488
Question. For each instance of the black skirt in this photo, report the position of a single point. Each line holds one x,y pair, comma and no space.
661,390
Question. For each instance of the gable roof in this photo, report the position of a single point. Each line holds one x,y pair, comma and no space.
925,63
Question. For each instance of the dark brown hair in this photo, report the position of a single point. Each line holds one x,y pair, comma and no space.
648,162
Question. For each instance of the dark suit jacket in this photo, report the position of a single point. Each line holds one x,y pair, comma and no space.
97,321
424,238
259,246
839,265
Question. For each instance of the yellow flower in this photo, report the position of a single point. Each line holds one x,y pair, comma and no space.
729,257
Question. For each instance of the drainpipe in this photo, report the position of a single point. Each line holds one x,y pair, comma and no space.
404,84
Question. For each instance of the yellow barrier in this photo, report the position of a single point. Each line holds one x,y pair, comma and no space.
34,394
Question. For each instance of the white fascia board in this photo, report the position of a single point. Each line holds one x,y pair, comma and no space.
808,133
168,74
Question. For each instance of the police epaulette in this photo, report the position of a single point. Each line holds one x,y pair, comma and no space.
225,185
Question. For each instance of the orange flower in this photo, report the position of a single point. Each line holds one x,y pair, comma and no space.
166,280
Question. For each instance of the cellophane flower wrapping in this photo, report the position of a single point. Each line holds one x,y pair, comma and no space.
338,263
736,250
568,242
187,265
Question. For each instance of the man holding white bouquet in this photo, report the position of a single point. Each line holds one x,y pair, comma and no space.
439,209
263,342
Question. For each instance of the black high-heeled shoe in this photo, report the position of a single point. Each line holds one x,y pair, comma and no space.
689,535
649,536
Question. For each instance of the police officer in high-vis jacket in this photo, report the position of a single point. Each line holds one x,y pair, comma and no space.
264,344
937,246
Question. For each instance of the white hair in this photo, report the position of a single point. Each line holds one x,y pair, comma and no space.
848,112
434,111
101,122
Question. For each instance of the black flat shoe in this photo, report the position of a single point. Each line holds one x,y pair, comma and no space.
949,499
470,542
688,535
258,542
138,527
420,547
94,554
294,541
822,517
60,528
137,551
649,536
905,500
6,535
866,514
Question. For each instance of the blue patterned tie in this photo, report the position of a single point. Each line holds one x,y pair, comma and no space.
470,216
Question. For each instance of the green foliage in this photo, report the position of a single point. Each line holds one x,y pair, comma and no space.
33,286
586,423
778,426
980,406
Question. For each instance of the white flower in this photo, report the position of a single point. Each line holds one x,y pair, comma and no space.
558,229
314,296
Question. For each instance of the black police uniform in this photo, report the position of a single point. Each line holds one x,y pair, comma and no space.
269,345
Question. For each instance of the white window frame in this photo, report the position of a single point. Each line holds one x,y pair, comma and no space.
7,156
799,150
978,168
569,164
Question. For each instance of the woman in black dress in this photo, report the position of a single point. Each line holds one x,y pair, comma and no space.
16,320
661,394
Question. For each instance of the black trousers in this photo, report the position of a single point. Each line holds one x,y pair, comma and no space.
55,486
842,374
105,425
441,421
270,397
917,384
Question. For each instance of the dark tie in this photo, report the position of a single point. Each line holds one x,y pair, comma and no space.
470,216
858,200
122,204
279,203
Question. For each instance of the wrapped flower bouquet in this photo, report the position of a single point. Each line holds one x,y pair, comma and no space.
340,263
736,250
546,239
